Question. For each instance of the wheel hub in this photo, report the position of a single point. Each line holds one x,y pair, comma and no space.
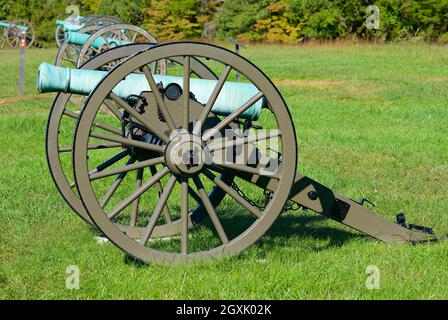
185,155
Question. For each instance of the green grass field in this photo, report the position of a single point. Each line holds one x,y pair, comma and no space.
371,120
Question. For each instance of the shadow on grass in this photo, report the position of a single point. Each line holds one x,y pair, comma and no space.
304,226
287,227
128,259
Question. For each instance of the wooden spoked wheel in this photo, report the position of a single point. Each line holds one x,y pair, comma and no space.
113,36
101,20
183,128
13,33
68,53
59,35
60,132
3,35
90,20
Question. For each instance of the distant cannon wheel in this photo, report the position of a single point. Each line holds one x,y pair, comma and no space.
67,55
59,33
60,131
239,220
13,33
3,35
90,20
113,36
100,20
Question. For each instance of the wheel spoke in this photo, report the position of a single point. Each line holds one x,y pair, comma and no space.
210,210
222,144
134,37
139,117
106,164
211,101
186,93
129,142
252,170
113,109
235,114
159,99
70,60
103,126
184,217
159,188
136,202
232,192
127,168
194,195
93,146
157,210
115,185
123,205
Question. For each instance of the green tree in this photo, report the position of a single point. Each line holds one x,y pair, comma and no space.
178,19
238,18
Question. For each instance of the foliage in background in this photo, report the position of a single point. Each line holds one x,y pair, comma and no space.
179,19
251,20
42,14
293,20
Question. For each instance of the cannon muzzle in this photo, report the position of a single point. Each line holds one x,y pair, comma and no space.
79,81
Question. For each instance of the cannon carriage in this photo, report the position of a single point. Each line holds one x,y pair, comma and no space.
82,44
188,164
79,22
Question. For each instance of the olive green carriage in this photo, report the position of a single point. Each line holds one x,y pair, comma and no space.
86,41
79,22
189,164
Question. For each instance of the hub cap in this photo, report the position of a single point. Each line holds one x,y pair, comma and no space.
185,155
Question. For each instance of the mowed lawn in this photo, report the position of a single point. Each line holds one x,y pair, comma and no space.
371,120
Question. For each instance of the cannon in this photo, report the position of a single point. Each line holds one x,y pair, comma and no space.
80,22
188,165
81,45
13,30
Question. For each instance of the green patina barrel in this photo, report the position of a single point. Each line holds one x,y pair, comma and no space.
80,39
7,25
77,81
68,21
73,27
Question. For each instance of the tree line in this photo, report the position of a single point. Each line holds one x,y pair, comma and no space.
272,21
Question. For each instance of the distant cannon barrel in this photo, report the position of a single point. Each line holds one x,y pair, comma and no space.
78,38
77,81
68,21
73,27
8,25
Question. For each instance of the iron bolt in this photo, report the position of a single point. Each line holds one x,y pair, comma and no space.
312,195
